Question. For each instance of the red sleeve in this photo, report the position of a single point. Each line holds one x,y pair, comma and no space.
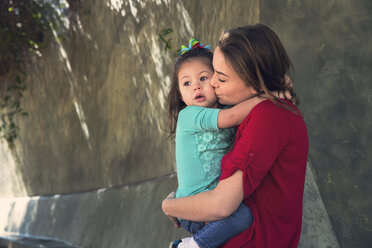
259,141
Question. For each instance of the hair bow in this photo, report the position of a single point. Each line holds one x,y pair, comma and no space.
194,43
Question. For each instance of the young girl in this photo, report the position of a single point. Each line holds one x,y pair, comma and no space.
203,135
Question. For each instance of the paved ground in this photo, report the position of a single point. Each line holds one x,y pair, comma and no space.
15,241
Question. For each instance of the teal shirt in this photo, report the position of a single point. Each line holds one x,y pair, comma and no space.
200,146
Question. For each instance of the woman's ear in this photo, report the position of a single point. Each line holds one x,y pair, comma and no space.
253,91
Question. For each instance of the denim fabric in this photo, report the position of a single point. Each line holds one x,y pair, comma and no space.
192,226
215,233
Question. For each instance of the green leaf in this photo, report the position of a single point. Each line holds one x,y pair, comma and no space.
18,79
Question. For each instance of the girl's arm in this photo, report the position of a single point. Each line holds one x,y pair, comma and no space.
234,116
215,204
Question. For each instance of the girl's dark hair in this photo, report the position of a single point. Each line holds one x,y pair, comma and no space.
174,99
257,55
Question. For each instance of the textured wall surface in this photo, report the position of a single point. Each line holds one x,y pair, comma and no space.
96,97
330,45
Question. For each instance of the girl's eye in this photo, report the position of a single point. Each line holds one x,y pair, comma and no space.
203,78
222,81
187,83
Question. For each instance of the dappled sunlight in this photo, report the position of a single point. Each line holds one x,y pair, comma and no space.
20,218
17,213
116,5
15,185
60,8
73,85
187,28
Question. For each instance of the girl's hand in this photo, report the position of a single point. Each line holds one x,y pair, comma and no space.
175,221
286,94
288,81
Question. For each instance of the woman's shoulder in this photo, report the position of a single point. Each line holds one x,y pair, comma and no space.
270,112
268,107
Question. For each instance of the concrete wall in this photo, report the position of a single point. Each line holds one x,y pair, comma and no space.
96,101
96,97
330,45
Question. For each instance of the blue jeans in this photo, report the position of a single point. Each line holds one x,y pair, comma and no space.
215,233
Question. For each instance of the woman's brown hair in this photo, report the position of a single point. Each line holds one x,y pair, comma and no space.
174,99
257,55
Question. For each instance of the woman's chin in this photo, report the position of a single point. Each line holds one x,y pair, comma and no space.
221,101
224,102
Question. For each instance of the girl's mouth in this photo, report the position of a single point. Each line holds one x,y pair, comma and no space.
200,98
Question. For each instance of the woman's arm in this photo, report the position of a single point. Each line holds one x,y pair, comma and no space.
235,115
211,205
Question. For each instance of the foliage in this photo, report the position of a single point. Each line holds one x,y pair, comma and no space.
163,37
25,29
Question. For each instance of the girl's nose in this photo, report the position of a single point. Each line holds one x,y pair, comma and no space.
197,86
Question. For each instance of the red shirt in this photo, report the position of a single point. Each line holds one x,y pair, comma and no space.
271,149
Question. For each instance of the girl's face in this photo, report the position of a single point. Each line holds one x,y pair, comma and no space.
193,80
230,89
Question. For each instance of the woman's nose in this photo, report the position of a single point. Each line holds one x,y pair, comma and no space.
213,81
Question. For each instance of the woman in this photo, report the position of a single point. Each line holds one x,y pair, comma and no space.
266,166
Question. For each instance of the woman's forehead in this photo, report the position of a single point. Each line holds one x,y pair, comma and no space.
219,62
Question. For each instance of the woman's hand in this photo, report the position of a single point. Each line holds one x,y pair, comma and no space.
175,221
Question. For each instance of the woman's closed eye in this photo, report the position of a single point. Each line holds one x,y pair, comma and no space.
220,80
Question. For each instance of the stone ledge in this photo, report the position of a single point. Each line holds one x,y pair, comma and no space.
131,216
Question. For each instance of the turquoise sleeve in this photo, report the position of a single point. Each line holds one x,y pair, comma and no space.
198,118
